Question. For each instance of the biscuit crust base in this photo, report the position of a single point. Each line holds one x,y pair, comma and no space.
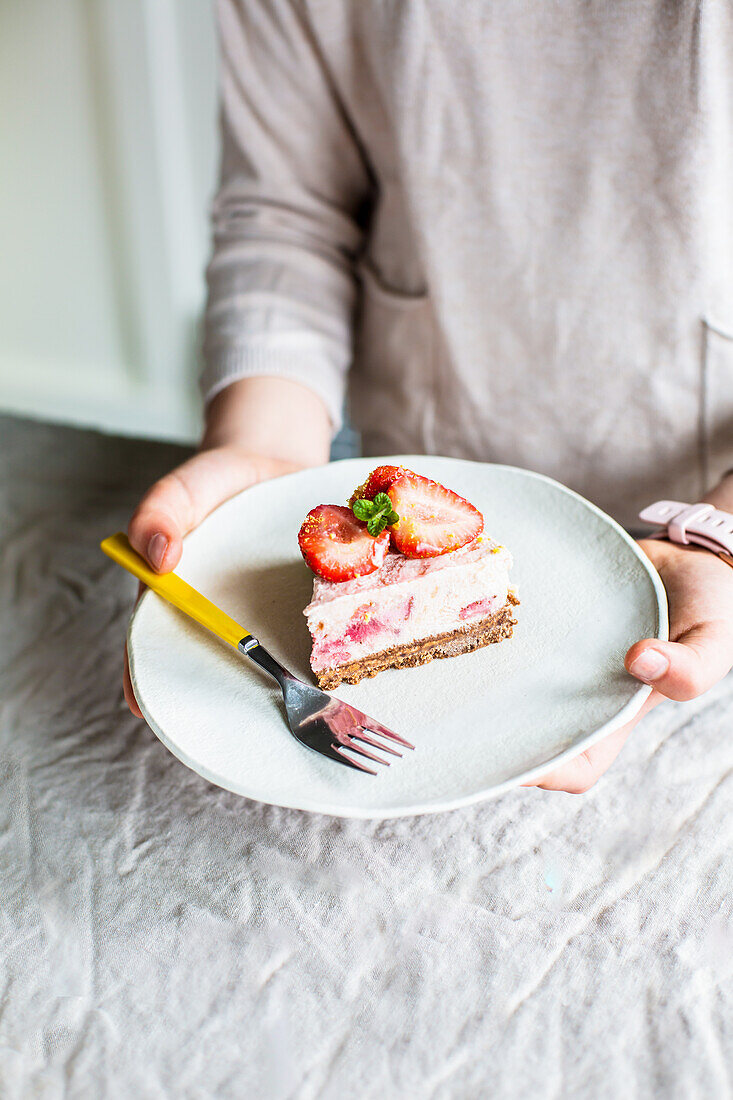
495,628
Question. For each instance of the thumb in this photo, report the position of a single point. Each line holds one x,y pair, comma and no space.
688,667
180,500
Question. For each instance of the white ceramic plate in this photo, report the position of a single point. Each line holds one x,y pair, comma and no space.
481,723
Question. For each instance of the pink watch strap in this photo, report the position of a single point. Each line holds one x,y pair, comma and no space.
701,524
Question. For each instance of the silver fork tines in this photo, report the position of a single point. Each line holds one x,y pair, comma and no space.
322,723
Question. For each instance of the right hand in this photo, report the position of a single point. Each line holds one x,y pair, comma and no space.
233,457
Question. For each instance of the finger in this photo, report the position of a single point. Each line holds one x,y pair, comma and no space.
127,688
579,774
126,680
181,499
685,668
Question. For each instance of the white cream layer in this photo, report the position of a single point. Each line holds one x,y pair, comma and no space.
406,600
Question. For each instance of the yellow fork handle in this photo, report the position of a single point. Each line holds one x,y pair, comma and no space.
175,590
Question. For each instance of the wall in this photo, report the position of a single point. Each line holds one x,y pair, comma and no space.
108,151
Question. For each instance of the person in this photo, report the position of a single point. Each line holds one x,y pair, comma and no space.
505,230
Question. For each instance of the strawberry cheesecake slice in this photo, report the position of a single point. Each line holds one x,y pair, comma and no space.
402,576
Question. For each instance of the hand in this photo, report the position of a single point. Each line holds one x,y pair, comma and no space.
255,431
700,592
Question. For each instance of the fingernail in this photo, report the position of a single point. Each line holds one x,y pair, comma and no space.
649,665
156,550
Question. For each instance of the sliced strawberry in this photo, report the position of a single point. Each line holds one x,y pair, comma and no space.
433,520
378,481
337,546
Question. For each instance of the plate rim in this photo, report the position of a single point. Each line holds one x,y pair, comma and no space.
627,712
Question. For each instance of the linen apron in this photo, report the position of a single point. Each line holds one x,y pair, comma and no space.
505,230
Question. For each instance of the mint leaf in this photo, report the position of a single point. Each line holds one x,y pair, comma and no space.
377,513
362,509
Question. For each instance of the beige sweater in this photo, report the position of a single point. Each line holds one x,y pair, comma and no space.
505,230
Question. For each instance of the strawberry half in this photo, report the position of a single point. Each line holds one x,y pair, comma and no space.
337,546
378,481
433,520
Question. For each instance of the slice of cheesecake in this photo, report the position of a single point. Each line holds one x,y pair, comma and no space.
409,611
403,574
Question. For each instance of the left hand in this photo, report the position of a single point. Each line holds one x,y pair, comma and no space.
700,592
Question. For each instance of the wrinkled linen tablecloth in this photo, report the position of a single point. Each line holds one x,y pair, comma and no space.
164,938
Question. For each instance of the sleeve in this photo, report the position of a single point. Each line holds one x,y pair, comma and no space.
289,213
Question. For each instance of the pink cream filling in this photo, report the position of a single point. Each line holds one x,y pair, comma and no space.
406,600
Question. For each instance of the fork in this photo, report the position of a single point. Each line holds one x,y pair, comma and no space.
320,722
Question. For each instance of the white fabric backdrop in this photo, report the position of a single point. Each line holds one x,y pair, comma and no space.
162,938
